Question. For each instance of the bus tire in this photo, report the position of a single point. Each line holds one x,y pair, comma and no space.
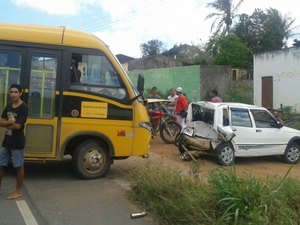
90,160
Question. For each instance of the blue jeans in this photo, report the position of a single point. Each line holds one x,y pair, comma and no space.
17,156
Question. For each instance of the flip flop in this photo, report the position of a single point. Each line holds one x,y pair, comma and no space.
14,196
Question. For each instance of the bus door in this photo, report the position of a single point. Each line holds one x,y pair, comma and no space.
41,127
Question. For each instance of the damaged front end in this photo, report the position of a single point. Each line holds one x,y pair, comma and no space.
204,130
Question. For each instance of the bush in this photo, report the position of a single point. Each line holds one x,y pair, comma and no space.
178,199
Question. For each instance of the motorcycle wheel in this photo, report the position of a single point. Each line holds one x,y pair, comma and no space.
169,132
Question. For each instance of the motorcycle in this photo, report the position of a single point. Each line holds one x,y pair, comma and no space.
163,121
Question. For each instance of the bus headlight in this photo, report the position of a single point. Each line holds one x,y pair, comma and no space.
146,125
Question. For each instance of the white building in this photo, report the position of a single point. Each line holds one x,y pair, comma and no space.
276,79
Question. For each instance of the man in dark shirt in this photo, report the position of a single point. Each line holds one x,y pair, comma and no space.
14,118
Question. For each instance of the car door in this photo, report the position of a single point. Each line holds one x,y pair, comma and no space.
268,134
244,130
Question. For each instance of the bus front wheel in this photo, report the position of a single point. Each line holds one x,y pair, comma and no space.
90,160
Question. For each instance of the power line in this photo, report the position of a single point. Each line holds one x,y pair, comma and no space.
107,20
94,25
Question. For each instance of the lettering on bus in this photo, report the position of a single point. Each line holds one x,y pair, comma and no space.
94,109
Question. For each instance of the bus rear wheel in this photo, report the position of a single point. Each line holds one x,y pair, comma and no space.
90,160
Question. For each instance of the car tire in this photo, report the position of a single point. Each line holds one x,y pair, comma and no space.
225,154
90,160
292,153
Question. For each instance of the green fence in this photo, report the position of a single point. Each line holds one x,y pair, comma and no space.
187,77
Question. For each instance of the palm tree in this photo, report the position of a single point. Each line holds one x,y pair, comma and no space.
280,27
226,11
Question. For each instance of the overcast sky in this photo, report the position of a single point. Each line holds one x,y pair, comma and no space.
125,24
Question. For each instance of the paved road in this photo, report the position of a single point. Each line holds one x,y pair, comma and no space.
53,195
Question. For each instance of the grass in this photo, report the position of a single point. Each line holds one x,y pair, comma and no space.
177,199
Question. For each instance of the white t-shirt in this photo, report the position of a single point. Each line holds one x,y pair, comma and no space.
172,99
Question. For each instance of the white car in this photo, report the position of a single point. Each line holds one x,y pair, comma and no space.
229,130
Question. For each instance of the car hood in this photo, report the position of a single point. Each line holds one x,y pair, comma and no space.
290,130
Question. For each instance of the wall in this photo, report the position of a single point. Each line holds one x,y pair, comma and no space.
196,81
215,77
187,77
284,67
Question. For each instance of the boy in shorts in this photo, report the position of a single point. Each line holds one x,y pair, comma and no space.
14,118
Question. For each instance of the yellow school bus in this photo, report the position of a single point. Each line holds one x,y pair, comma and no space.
81,101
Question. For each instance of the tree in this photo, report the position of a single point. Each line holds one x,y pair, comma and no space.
278,29
265,31
224,16
232,51
192,54
152,47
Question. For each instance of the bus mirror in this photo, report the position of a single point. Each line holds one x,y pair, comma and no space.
140,88
140,83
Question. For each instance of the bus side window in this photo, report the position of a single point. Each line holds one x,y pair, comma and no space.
75,72
95,73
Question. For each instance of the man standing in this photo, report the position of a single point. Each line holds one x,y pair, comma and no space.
153,95
172,100
214,96
181,107
14,118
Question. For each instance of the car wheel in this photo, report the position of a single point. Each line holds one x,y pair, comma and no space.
292,153
225,154
90,160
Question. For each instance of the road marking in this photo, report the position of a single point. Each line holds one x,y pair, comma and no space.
26,213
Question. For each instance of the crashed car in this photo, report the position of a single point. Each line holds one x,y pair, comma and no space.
229,130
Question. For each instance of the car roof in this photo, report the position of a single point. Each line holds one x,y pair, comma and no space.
213,105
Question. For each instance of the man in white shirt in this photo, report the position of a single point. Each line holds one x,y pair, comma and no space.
172,98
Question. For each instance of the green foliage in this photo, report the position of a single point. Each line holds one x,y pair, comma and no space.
152,47
200,61
240,200
264,31
240,92
226,199
232,52
173,198
287,113
237,96
192,54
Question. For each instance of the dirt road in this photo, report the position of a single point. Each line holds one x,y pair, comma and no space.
259,167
